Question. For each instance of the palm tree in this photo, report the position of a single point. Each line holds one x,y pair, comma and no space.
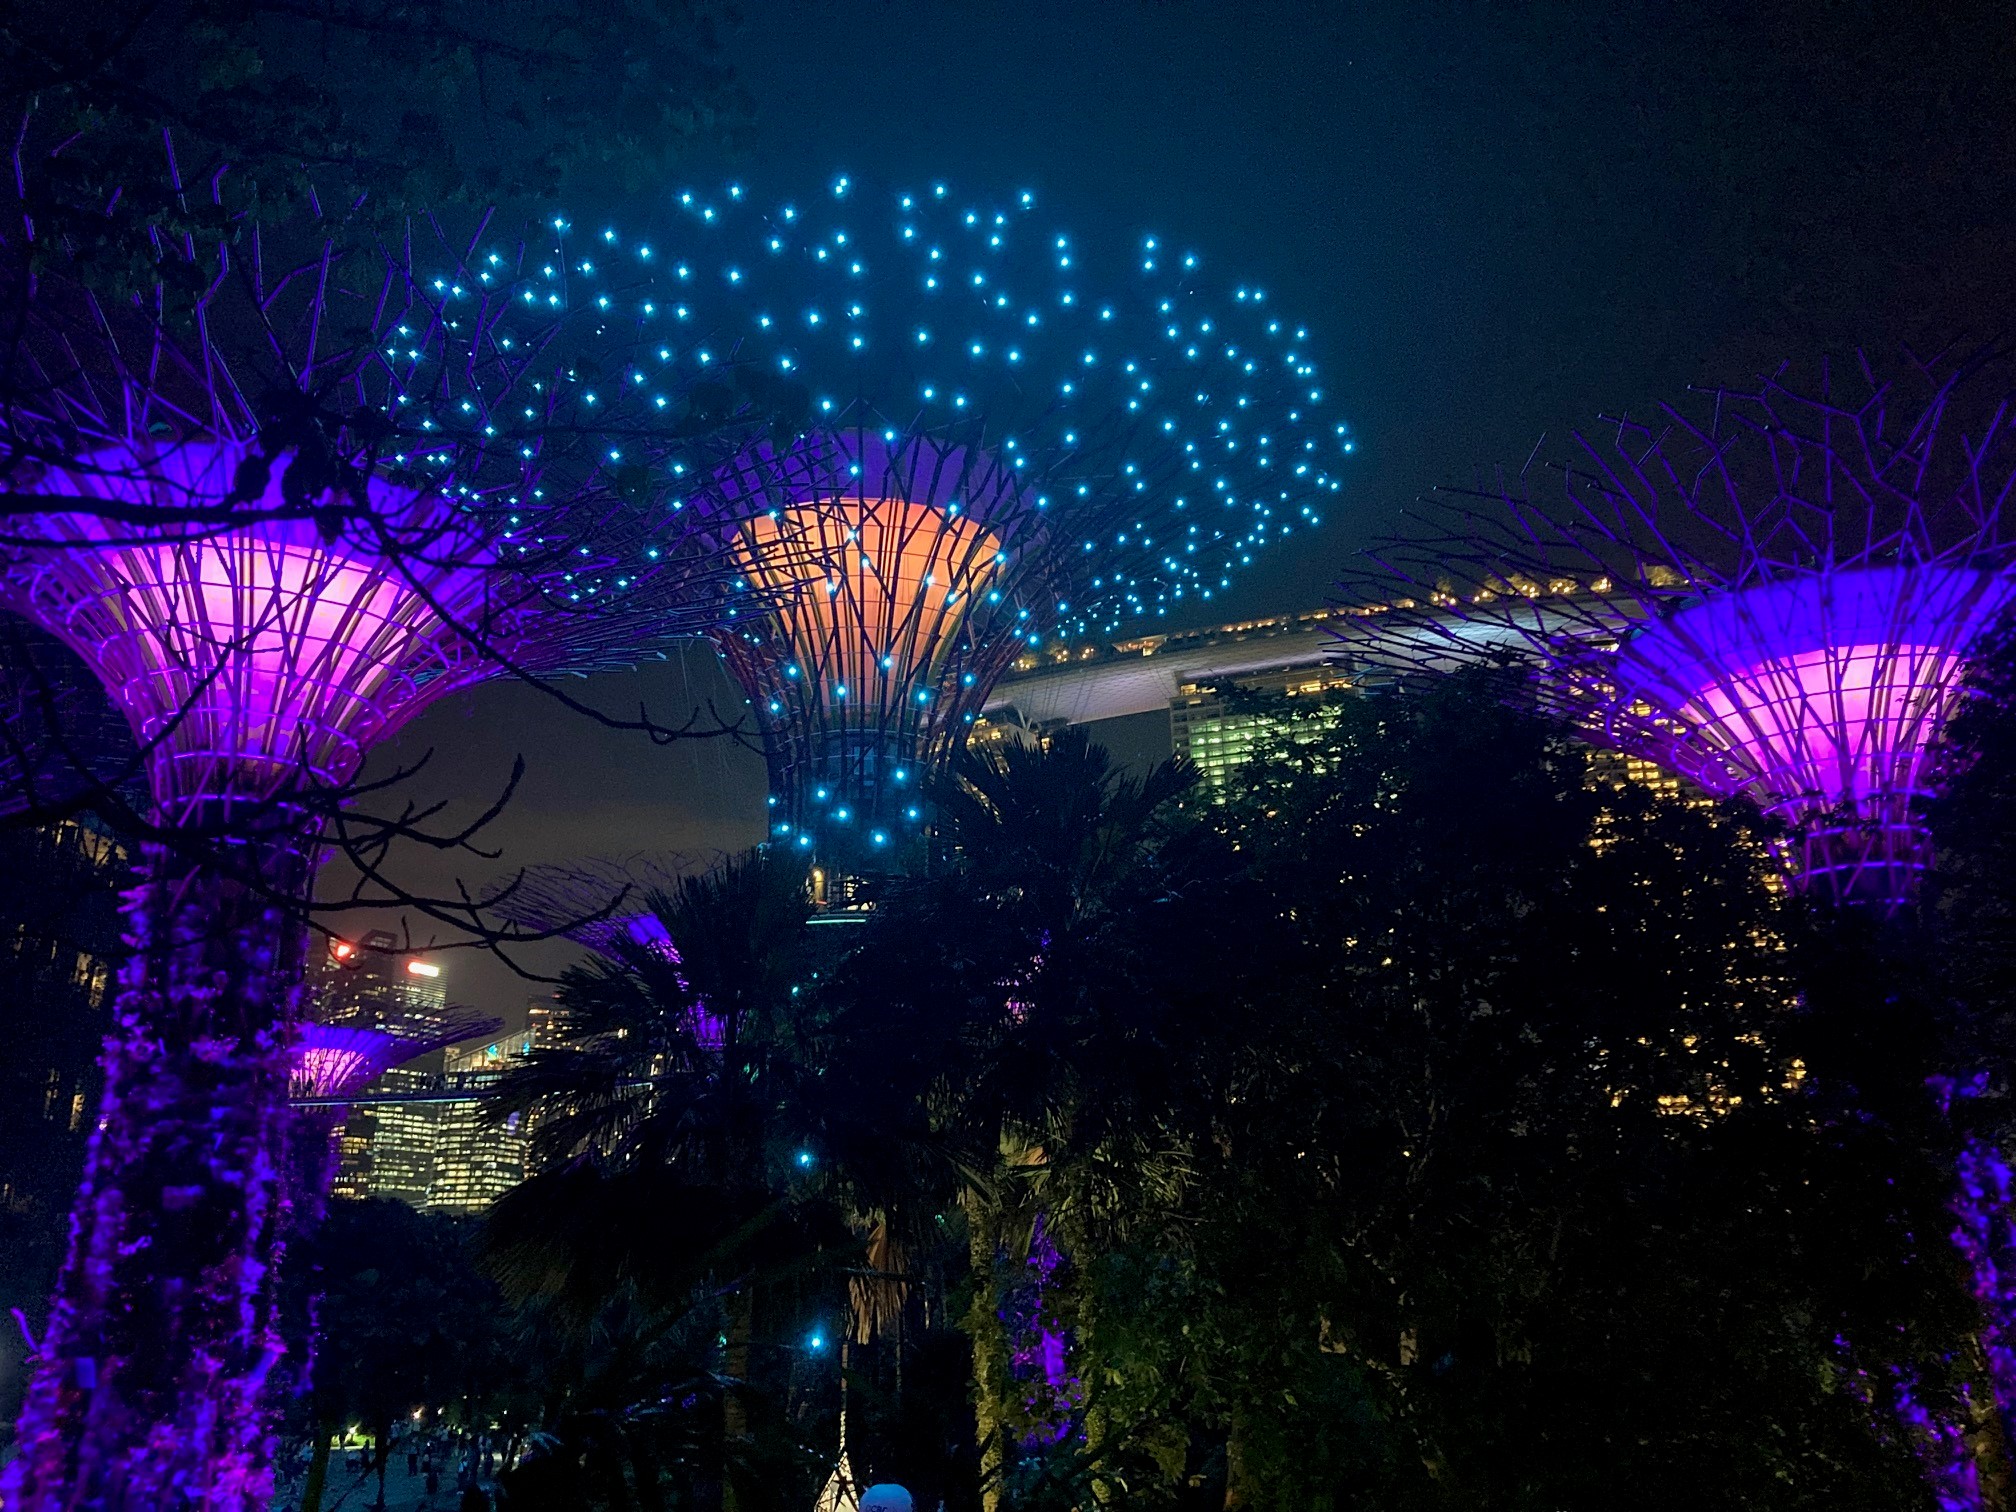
1004,1003
673,1124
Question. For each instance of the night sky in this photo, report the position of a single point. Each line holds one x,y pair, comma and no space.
1498,222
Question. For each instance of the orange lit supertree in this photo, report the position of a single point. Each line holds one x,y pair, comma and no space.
279,501
987,440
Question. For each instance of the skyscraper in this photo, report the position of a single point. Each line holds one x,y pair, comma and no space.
386,1149
1219,729
373,985
476,1161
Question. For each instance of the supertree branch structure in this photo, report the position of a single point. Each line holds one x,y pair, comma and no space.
330,1063
1771,593
870,676
983,439
278,506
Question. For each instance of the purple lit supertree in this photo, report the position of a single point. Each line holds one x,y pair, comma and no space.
331,1062
988,440
1771,593
279,504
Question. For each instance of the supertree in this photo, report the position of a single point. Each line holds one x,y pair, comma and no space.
331,1061
989,440
1770,592
280,502
615,908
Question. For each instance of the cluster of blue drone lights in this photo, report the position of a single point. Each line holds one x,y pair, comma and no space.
481,384
1166,429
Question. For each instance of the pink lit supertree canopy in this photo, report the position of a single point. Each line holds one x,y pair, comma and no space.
278,503
989,438
1771,593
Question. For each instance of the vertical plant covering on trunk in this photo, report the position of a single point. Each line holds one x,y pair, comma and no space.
152,1374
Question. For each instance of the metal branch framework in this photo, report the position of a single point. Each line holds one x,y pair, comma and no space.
331,1061
871,675
1772,593
980,450
273,553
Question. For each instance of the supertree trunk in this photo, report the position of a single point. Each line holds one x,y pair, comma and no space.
151,1385
1985,1235
990,1351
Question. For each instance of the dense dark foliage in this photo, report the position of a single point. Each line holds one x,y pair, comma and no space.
1437,1121
410,1333
380,110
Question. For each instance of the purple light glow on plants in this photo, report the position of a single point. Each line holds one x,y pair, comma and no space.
1985,1235
1039,1346
1941,1450
1935,1440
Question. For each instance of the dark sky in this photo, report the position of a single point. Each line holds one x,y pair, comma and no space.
1499,220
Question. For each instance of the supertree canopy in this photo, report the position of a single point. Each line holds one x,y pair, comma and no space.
1771,593
616,908
278,504
986,439
271,569
331,1061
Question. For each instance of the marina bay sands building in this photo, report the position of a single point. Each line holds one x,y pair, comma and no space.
1158,696
1180,694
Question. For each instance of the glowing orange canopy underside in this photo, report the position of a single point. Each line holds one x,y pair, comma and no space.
870,591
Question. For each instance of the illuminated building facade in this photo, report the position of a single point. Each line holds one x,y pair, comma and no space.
1771,595
387,1148
1218,730
420,1135
980,437
374,984
477,1160
59,951
416,1132
289,520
